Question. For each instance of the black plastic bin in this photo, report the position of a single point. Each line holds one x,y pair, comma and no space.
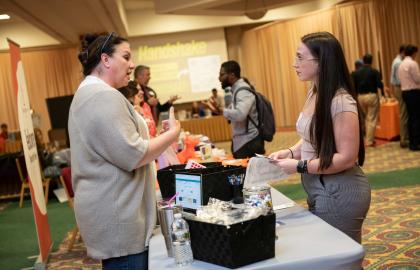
235,245
215,181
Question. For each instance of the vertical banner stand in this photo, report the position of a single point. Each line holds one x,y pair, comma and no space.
31,157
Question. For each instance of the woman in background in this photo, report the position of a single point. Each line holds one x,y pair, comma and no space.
134,93
331,147
113,168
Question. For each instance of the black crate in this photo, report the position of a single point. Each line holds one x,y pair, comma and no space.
215,182
166,177
235,245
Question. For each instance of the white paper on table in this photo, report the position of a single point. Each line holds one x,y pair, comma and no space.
259,171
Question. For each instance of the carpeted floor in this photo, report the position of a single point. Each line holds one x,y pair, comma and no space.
391,231
18,240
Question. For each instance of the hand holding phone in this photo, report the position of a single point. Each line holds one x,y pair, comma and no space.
165,125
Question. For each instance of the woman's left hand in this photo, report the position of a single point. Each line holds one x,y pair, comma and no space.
287,164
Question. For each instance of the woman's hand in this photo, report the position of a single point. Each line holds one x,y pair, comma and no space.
288,165
159,144
281,154
173,123
174,98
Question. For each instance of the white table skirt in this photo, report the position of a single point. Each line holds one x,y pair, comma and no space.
304,242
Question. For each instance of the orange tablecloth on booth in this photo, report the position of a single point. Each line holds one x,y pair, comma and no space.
216,128
388,126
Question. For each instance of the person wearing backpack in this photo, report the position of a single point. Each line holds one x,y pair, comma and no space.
246,139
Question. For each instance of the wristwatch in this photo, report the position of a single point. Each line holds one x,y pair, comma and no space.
302,166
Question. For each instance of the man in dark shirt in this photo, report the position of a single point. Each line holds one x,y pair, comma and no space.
142,76
367,80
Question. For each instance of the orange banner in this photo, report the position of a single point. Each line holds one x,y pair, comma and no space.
31,154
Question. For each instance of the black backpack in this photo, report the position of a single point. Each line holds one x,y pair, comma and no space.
266,123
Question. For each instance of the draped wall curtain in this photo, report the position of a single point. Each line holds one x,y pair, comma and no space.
400,24
268,55
375,26
48,73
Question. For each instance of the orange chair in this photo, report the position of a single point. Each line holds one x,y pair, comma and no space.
23,175
65,179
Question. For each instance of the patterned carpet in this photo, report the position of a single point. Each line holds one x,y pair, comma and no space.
75,259
391,231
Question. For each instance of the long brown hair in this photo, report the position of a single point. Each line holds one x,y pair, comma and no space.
333,75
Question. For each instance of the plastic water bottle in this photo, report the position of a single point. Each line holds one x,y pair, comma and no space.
228,96
181,241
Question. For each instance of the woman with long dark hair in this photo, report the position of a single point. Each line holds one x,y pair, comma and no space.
331,150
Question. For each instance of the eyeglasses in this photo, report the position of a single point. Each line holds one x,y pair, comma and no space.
106,41
299,60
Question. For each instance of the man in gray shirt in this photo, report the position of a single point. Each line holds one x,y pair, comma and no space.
246,141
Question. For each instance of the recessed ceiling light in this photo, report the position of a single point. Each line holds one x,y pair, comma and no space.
4,17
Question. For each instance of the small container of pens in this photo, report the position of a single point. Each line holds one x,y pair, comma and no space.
236,181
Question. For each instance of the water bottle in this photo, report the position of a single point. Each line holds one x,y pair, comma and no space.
181,241
228,96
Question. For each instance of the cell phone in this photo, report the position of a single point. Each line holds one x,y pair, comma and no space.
165,125
164,116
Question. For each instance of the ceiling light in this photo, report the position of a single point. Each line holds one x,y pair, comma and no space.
4,17
257,11
255,15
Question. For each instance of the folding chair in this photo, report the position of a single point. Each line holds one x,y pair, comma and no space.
23,175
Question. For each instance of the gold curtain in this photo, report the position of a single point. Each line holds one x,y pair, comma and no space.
358,31
267,55
8,109
374,26
399,22
48,73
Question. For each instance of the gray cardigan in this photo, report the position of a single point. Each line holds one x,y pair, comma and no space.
115,203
